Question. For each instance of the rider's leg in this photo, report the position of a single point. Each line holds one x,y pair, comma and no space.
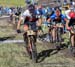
54,34
16,22
72,44
39,31
39,24
50,35
72,40
26,39
25,33
60,32
11,18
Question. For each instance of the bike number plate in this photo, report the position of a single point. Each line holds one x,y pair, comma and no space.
59,24
30,32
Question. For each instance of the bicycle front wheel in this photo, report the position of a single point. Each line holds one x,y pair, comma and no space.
34,50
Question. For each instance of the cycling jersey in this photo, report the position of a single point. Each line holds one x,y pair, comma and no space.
72,18
26,13
29,19
27,16
40,11
38,14
57,19
44,11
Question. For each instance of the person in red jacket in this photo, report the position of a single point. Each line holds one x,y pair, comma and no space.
70,26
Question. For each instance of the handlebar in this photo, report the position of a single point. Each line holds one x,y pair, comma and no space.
59,24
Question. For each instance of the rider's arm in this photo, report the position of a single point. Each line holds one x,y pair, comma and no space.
21,19
48,20
51,17
67,23
19,23
66,20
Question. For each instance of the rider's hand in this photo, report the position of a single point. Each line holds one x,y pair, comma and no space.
69,28
18,31
54,26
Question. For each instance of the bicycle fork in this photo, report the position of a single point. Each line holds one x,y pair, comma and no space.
58,39
29,44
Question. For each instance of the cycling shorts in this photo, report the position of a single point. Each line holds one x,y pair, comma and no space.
72,22
32,24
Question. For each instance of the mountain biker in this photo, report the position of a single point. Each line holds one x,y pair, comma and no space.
11,14
29,17
67,10
69,26
17,15
39,22
57,17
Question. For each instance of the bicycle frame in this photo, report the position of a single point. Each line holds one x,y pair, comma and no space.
31,44
57,26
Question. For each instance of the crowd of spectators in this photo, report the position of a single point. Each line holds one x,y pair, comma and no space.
9,10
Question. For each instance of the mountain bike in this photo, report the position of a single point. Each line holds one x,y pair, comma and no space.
59,30
30,44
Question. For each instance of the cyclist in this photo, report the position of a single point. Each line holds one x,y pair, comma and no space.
69,26
39,22
11,14
57,17
39,10
30,18
17,15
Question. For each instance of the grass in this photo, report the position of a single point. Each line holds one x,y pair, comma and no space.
7,30
14,55
66,37
12,3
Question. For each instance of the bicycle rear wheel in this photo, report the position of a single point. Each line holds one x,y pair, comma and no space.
59,39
